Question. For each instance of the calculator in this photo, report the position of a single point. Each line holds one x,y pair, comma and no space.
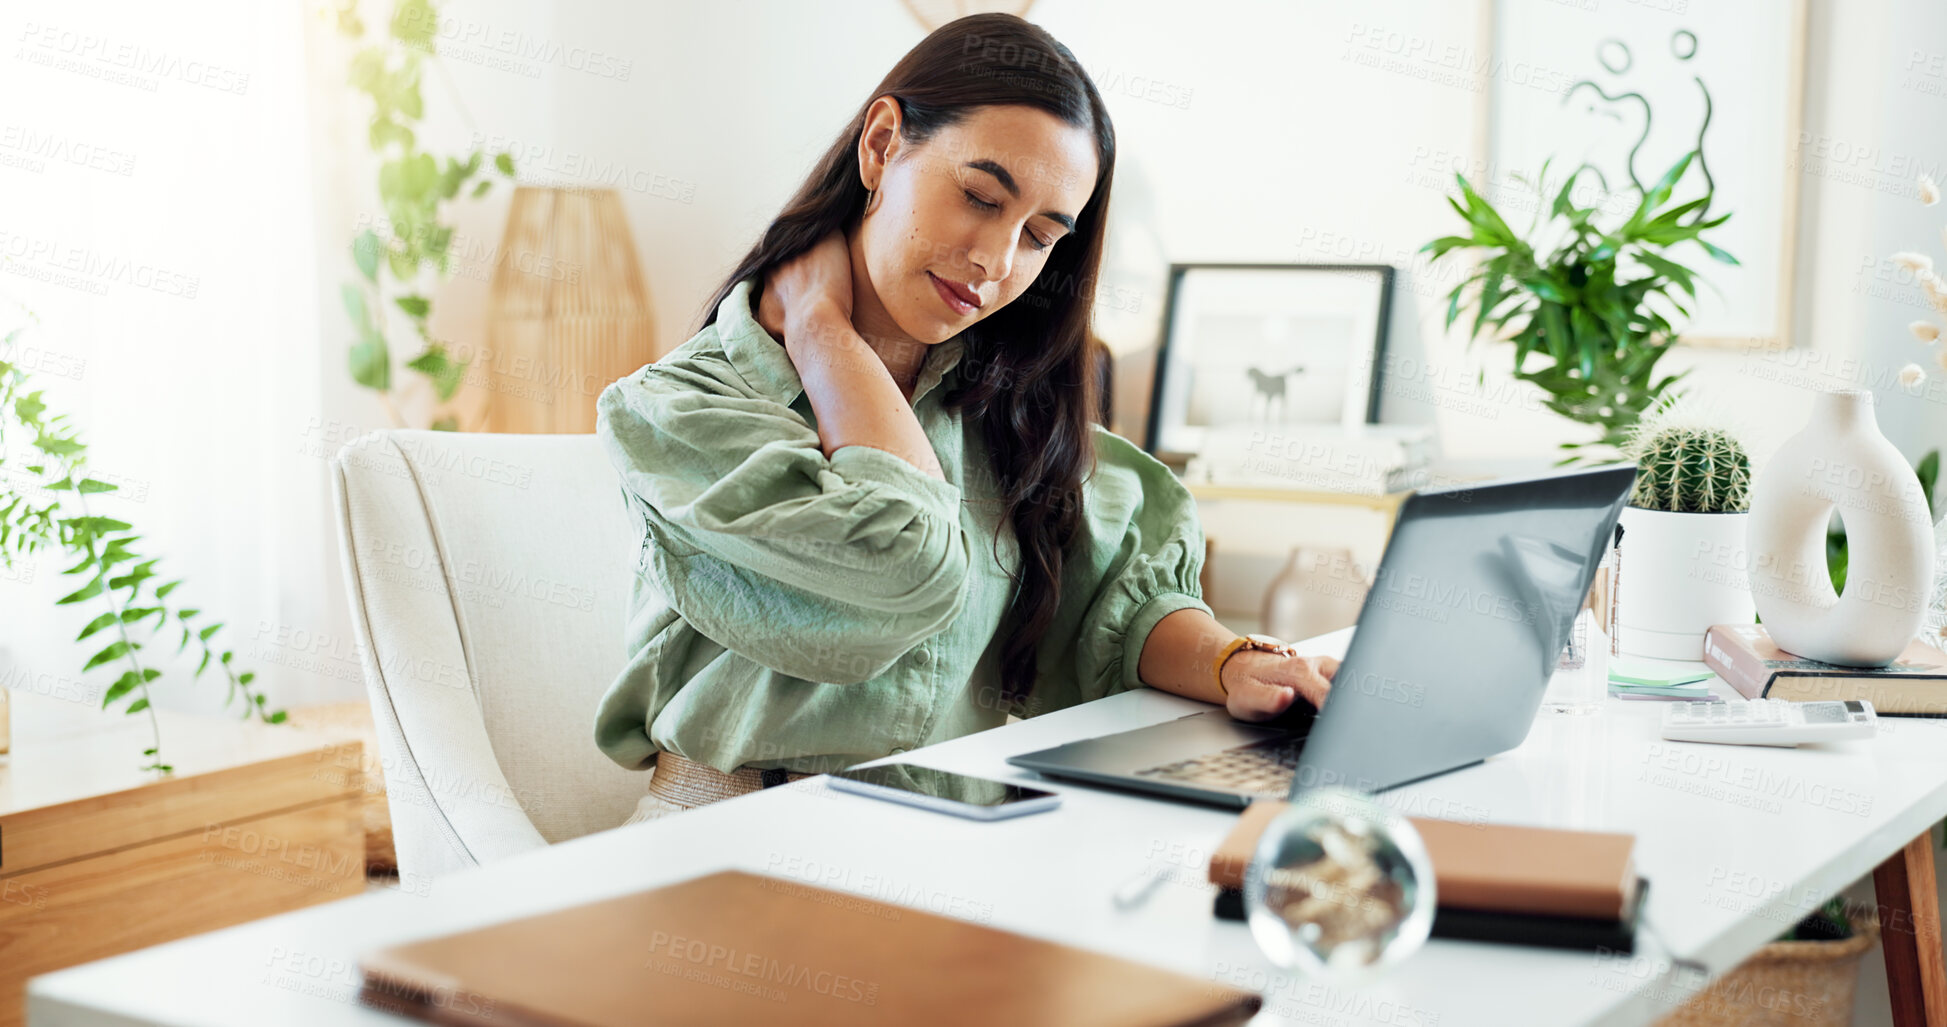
1769,721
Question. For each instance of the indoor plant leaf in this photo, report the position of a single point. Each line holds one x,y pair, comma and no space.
371,364
365,254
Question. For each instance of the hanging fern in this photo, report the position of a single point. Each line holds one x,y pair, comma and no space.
52,459
412,186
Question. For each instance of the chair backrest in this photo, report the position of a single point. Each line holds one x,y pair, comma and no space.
491,575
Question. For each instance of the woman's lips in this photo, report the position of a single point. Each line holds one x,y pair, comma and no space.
955,300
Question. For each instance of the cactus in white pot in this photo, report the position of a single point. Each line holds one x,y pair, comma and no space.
1692,469
1685,565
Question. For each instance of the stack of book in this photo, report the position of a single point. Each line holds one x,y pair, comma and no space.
1496,882
1748,660
1370,459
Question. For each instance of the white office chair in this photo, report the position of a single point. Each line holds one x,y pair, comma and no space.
488,577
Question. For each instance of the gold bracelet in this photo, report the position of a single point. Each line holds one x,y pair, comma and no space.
1261,642
1217,668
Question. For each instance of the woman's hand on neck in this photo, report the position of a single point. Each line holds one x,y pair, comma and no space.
855,395
810,290
827,293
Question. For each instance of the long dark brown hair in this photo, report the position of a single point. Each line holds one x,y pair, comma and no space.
1026,372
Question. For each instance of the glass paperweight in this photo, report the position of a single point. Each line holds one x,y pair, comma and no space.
1340,887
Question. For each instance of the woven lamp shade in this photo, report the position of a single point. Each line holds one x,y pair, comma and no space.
935,13
568,311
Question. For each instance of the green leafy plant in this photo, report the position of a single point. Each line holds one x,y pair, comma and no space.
413,185
1838,554
1691,469
41,456
1587,316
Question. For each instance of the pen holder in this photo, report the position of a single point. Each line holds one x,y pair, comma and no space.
1581,678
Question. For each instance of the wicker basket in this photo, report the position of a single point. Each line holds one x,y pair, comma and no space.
1796,983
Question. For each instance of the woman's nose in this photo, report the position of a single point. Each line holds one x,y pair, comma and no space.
992,253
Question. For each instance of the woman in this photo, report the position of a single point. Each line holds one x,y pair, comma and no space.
876,511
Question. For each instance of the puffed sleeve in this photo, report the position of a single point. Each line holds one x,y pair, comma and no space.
1141,563
826,569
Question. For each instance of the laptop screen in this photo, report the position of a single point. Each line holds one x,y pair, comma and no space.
1463,627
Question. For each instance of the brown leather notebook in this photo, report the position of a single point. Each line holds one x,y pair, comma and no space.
736,948
1496,868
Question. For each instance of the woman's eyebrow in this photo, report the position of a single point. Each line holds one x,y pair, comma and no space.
1006,180
995,169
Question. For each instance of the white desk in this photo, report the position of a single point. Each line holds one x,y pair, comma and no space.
1738,843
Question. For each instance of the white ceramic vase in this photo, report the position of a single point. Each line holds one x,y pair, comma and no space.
1318,590
1679,574
1841,461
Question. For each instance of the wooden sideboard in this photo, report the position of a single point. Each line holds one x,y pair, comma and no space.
99,858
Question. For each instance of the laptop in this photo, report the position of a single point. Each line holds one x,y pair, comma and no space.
1464,624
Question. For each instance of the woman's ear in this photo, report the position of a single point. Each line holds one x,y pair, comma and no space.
878,141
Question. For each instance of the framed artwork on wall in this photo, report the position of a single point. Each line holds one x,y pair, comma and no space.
1630,88
1267,348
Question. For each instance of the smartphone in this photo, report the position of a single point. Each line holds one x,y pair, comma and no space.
941,791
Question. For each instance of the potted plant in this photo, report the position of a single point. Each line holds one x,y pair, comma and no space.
1806,977
1589,316
1587,299
1684,565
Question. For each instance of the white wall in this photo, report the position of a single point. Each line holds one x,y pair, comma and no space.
1250,130
155,201
1879,117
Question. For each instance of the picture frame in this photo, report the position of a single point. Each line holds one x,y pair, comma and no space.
1228,328
1750,53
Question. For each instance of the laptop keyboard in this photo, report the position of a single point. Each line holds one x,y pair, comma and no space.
1263,769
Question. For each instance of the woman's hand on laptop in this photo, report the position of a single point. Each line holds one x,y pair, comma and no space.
1263,685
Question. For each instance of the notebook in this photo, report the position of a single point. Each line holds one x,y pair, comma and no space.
736,948
1630,681
1495,882
1560,932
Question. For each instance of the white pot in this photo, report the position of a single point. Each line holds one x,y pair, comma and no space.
1679,574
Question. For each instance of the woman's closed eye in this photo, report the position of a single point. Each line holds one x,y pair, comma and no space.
1033,240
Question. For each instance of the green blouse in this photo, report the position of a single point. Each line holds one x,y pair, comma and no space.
798,611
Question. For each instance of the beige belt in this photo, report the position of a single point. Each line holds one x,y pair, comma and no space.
689,783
